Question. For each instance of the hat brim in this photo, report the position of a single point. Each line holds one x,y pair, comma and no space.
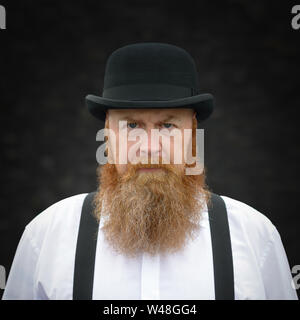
203,104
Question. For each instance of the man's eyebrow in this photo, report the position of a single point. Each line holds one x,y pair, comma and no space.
170,117
167,118
128,118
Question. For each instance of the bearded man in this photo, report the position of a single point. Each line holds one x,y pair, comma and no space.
149,231
156,207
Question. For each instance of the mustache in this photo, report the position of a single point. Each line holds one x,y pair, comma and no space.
167,170
145,163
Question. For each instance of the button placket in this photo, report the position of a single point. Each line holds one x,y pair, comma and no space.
150,277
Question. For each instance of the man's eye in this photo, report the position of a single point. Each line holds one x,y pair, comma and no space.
132,125
167,125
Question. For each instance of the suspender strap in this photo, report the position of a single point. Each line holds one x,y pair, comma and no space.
85,252
221,248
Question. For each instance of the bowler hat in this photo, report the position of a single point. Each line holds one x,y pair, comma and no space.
150,75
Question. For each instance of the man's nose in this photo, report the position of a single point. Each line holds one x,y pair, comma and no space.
150,147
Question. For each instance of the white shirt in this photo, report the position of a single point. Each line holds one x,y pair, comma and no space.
43,266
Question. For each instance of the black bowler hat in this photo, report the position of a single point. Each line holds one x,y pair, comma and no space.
150,75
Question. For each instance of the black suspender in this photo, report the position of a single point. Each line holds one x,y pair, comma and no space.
85,252
221,248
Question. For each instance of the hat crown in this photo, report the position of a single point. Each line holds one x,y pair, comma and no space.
151,75
150,63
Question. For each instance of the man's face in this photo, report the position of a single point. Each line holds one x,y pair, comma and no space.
140,125
150,207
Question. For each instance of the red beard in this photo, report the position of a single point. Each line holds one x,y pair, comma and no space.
152,212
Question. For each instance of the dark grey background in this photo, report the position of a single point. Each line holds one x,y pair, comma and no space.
53,53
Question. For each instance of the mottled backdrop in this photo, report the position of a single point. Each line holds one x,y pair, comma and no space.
53,53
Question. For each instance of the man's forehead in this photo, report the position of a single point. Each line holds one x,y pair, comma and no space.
141,114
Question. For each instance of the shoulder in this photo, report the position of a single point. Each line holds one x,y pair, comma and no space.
62,215
249,223
258,248
244,214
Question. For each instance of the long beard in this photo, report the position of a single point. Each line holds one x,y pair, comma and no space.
152,212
